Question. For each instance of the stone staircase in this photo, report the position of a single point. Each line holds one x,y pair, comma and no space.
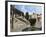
19,24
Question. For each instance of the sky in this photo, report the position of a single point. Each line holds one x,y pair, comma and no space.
29,8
